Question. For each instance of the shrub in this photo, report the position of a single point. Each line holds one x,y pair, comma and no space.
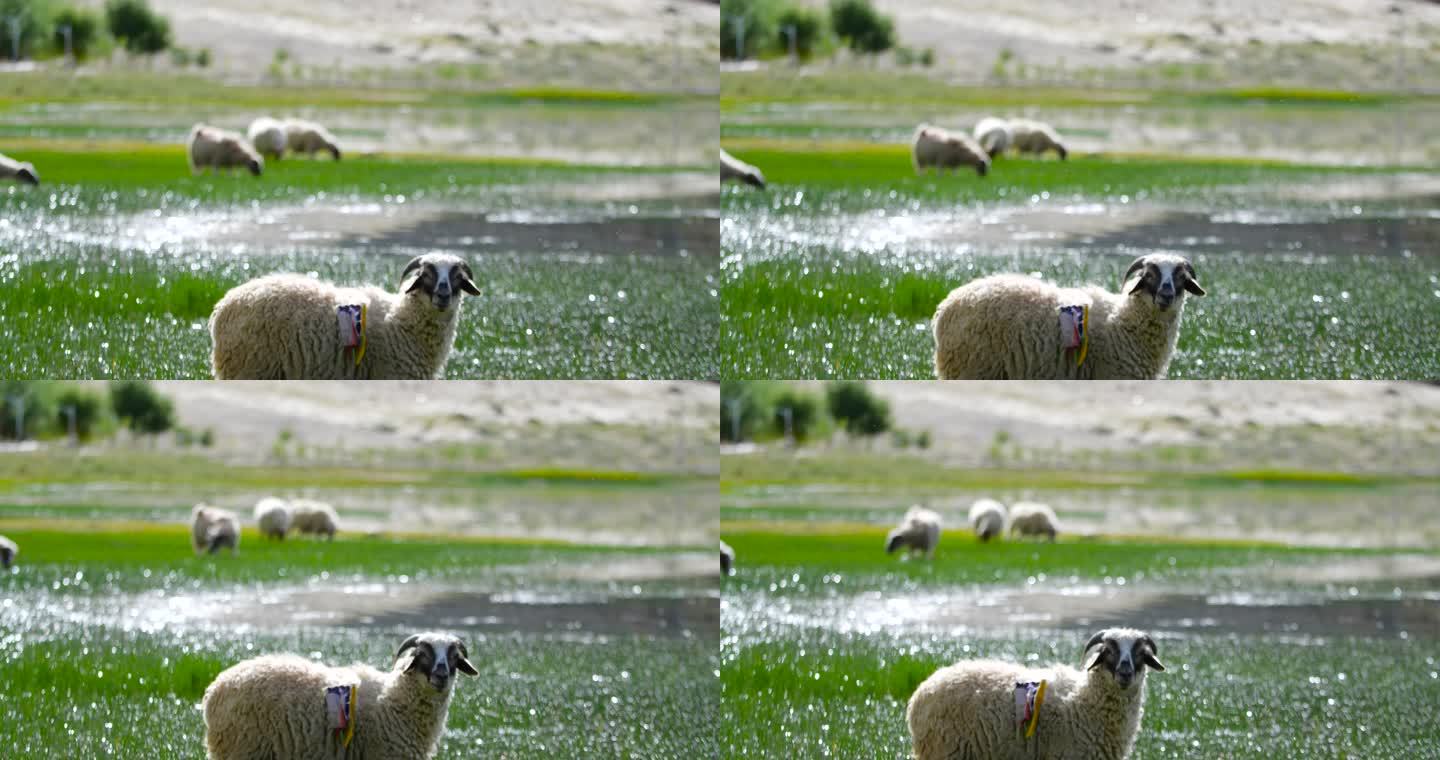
141,408
809,26
141,30
859,411
804,410
84,27
91,409
862,27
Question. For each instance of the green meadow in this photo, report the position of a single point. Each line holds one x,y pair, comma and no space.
132,253
125,600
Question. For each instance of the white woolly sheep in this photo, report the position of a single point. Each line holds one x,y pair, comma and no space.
971,710
1013,327
213,148
268,136
994,135
275,706
919,532
314,517
212,529
987,518
8,550
18,171
307,137
1036,137
733,169
940,149
727,558
284,326
1030,518
273,517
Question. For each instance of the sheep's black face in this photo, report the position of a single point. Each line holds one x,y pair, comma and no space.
28,176
1161,277
437,657
254,166
1123,653
438,276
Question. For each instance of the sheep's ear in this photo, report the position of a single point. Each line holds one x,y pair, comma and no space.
1133,276
1192,285
410,278
1091,652
462,663
1147,654
467,280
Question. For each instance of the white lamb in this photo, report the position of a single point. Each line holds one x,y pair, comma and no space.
314,518
8,550
275,706
212,529
733,169
273,517
18,171
268,137
987,518
210,147
919,532
284,326
1030,518
994,135
971,710
1014,327
933,147
1036,137
307,137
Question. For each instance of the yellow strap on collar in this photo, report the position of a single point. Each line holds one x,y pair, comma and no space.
355,690
360,351
1039,692
1080,356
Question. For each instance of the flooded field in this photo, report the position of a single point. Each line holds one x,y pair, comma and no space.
836,269
581,649
117,261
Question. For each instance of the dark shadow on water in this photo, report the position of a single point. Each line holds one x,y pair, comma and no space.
631,235
1367,236
664,617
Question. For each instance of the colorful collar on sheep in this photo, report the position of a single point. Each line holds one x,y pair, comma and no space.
1028,698
351,319
340,703
1075,330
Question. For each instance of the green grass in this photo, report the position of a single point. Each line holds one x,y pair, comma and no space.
805,293
136,310
805,671
90,681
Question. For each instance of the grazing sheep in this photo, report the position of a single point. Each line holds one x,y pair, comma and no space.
1029,518
735,170
727,558
8,550
214,148
212,528
284,326
993,135
919,531
275,706
18,171
940,149
268,137
1013,327
971,710
273,517
314,517
307,137
1036,137
987,518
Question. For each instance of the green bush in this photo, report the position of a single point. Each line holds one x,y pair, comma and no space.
809,27
35,26
141,30
855,408
84,27
27,409
804,413
141,407
91,409
758,20
862,27
751,400
202,58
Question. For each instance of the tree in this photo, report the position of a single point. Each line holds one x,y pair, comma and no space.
862,27
141,408
27,410
858,410
747,24
84,25
808,25
743,402
141,30
90,409
803,409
